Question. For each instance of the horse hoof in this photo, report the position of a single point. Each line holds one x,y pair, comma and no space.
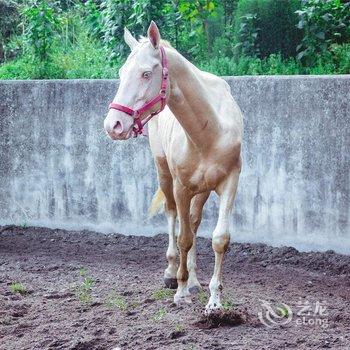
194,289
170,282
182,300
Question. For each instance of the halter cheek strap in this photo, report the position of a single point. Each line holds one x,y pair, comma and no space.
161,97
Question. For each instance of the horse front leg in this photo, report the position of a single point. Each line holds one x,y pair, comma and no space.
221,239
166,185
184,241
196,210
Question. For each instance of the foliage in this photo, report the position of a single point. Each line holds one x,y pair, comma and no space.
162,294
19,288
41,24
84,290
93,18
115,15
84,39
324,22
115,301
247,35
266,27
159,315
336,61
86,58
9,20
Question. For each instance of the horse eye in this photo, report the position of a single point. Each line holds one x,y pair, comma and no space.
146,75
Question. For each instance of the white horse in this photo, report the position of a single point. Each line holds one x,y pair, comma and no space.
196,143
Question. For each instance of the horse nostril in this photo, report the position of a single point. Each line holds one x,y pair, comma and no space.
118,127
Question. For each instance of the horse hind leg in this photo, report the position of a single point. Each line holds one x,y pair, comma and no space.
196,210
221,239
170,280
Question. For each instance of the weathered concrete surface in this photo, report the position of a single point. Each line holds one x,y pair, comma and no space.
58,169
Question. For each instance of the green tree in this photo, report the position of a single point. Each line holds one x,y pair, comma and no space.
324,22
272,25
41,25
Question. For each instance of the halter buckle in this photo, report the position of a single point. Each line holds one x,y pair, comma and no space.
162,93
165,72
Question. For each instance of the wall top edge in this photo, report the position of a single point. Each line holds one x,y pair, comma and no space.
228,78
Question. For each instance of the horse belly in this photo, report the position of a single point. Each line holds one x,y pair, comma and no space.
204,178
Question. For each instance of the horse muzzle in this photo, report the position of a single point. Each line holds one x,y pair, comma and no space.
117,126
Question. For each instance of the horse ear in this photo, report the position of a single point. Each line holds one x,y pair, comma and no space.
129,39
154,35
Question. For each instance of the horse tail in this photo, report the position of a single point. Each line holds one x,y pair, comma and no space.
157,204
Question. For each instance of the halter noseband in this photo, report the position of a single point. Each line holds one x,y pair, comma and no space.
161,97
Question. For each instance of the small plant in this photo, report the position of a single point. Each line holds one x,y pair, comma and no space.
88,283
134,304
16,287
85,297
83,291
161,294
159,315
83,272
24,225
228,304
202,297
116,301
282,311
179,327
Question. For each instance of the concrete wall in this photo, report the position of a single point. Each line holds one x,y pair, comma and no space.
58,169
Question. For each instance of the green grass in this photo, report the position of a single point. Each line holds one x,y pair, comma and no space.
283,311
163,293
228,304
83,290
17,287
179,327
202,297
159,315
115,301
83,271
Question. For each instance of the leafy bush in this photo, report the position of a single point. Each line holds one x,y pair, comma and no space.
41,25
265,27
86,58
76,55
134,14
324,22
247,35
336,61
9,20
246,65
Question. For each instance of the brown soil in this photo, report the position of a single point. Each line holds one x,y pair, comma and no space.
85,290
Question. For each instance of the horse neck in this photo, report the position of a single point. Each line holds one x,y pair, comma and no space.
189,101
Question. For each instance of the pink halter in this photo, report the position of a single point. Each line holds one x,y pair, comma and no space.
161,97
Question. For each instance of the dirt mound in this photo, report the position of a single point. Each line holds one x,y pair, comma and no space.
222,318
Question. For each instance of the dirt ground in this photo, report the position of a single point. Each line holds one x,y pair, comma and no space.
83,290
